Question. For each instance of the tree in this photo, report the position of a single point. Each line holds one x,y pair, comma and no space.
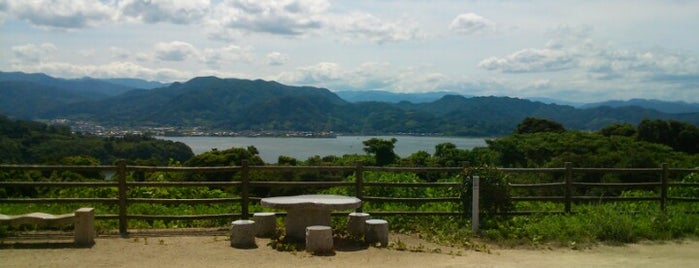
655,131
536,125
625,129
382,150
417,159
229,157
216,158
680,136
447,155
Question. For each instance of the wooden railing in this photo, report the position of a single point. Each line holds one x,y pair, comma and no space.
244,184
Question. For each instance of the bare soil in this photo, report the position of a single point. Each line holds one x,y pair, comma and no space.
213,250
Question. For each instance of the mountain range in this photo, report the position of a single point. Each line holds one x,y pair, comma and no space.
239,104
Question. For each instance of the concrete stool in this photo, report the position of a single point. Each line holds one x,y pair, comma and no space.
355,224
243,234
376,231
266,223
319,239
84,227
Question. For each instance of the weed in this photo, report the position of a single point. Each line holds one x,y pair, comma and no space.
398,245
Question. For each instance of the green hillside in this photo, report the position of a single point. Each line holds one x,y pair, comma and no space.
242,105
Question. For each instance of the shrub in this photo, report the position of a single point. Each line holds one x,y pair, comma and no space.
494,190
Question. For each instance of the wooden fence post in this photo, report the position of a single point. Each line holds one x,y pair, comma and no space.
359,183
466,205
121,176
244,194
569,186
663,190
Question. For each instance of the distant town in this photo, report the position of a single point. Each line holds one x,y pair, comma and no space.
96,129
93,128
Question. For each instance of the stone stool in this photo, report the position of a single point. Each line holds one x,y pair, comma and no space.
243,234
355,224
84,227
376,231
319,239
266,223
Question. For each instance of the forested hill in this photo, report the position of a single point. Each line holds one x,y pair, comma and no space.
34,142
237,104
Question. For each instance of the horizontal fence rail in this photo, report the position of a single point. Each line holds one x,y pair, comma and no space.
120,172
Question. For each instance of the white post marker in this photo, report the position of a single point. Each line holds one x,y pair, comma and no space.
475,205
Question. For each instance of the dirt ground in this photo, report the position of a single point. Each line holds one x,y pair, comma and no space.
213,250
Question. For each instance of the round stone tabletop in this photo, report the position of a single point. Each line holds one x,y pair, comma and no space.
321,201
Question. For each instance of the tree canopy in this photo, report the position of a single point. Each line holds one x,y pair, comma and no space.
382,150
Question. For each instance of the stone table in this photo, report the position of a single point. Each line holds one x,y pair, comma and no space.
308,210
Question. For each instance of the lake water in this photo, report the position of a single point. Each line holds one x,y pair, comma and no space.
302,148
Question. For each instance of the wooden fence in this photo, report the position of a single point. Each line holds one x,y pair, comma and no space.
121,172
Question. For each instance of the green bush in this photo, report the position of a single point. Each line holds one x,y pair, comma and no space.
494,190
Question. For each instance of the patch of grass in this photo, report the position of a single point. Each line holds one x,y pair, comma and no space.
613,223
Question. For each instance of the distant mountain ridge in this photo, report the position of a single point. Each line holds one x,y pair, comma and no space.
674,107
240,105
391,97
88,88
135,83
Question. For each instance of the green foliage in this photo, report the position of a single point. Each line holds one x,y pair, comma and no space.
216,158
447,155
583,149
678,135
229,157
621,129
382,150
494,190
612,223
686,191
536,125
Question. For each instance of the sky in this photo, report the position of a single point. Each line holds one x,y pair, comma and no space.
579,51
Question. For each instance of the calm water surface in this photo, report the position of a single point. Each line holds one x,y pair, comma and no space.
302,148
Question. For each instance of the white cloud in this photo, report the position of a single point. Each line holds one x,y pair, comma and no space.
109,70
572,48
367,26
173,11
58,14
539,84
4,6
532,60
119,53
595,68
289,18
471,23
175,51
322,74
32,53
227,55
368,75
276,58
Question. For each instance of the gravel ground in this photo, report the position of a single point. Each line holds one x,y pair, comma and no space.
213,250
